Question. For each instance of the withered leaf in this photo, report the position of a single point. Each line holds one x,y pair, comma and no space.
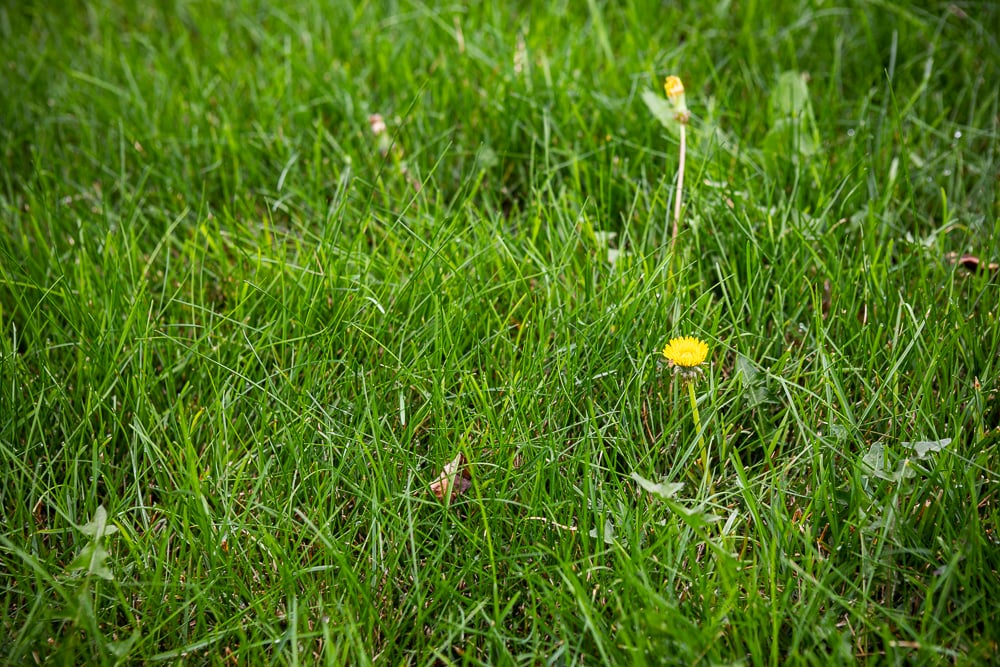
454,478
972,263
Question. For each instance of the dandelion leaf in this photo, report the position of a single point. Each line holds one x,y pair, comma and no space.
662,110
752,380
793,131
790,97
925,447
120,649
98,526
663,489
92,560
608,534
93,555
876,464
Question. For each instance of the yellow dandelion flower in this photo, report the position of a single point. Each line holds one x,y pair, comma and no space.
686,352
675,93
673,87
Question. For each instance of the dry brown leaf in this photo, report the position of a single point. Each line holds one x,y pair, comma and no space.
454,477
972,263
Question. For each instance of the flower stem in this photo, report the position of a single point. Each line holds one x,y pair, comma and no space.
679,196
697,426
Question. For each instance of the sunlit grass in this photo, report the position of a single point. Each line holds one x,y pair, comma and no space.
245,328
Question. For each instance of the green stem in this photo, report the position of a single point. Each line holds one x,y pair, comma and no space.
697,426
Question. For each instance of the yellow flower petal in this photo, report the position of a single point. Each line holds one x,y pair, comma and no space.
673,87
686,352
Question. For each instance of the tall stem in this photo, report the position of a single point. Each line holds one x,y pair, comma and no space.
697,426
679,195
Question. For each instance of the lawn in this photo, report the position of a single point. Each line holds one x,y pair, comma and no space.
333,333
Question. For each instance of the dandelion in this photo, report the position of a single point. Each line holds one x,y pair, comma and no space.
674,89
687,355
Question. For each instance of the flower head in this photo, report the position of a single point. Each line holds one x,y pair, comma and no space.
686,355
674,87
675,93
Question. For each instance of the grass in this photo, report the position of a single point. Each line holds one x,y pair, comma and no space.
242,334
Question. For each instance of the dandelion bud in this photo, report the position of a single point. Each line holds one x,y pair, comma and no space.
674,88
675,93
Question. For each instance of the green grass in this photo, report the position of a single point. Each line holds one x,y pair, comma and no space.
254,333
